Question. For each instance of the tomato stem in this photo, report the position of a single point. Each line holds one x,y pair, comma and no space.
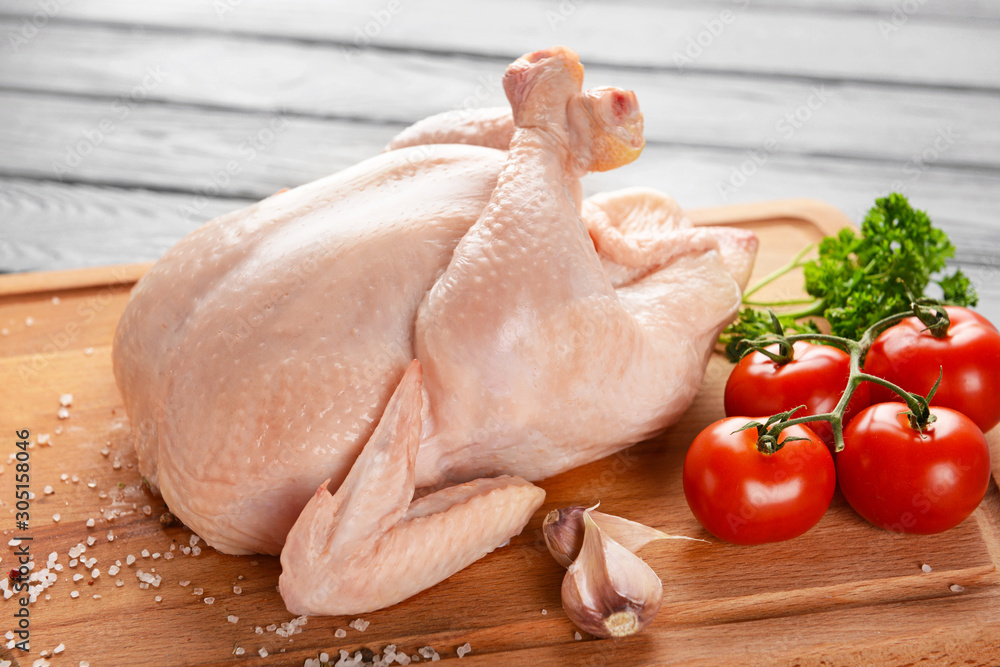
930,312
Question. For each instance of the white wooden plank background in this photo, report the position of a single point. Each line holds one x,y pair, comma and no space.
910,99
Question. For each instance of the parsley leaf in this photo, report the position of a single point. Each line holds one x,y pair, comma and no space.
857,279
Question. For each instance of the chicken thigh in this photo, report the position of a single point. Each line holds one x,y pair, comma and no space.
257,357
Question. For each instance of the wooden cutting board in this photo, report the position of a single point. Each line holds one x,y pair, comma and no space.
844,593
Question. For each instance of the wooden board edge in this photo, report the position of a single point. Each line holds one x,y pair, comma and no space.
14,284
827,218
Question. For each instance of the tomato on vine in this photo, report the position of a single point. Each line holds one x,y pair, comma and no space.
749,495
813,375
911,355
913,479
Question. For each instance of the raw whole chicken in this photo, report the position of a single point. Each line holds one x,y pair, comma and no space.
447,317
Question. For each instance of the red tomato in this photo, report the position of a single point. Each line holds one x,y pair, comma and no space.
905,482
816,377
910,357
743,496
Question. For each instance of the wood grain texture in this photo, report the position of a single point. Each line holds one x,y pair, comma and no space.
209,153
264,77
844,593
834,45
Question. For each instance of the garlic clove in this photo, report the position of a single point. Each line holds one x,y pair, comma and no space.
563,532
608,591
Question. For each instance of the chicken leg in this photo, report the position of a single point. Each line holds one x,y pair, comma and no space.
534,362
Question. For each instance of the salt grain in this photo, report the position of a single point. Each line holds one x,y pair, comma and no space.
62,413
262,653
237,590
147,510
95,573
119,583
90,523
464,650
158,598
198,591
259,630
233,619
145,553
129,559
91,540
544,612
925,567
359,624
66,400
209,600
271,628
113,570
29,321
184,583
48,490
340,633
74,594
88,351
111,536
44,439
77,577
59,649
239,650
156,555
955,588
577,636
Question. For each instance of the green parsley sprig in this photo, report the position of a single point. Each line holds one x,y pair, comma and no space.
857,280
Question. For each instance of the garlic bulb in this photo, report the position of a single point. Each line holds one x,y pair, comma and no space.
563,531
608,591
